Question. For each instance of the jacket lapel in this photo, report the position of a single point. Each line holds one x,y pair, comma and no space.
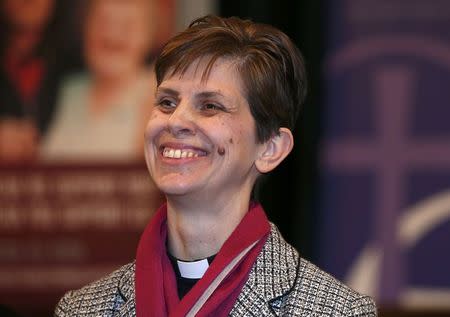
127,294
270,280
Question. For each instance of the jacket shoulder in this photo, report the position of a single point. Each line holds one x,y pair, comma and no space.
102,297
282,283
318,293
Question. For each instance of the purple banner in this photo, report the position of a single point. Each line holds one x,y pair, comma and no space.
385,222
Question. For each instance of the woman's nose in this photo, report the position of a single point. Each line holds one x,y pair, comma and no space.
181,121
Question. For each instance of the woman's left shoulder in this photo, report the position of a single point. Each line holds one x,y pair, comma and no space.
310,288
322,292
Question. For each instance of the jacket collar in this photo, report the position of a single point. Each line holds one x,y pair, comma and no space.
271,278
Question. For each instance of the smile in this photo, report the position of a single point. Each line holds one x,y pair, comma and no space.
181,153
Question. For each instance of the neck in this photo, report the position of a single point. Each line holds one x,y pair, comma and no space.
106,83
108,90
197,231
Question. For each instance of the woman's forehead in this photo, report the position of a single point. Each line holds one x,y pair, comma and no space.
202,67
221,74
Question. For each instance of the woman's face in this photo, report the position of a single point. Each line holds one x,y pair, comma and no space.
200,138
117,36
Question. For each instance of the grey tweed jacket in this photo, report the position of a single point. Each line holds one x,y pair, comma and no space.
280,284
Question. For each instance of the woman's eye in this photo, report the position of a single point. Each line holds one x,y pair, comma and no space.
166,105
212,107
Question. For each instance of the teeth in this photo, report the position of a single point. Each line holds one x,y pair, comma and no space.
172,153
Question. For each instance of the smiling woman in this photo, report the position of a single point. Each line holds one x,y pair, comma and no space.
201,116
228,94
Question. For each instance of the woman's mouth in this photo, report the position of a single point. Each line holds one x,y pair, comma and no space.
181,153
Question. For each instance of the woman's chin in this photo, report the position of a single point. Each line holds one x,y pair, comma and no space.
175,189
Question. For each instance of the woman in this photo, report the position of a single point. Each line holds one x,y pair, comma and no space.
112,100
228,94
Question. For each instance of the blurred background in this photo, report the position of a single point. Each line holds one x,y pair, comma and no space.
365,194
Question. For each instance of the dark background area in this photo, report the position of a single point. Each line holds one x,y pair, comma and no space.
289,194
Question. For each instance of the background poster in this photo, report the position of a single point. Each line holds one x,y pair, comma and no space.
385,183
62,227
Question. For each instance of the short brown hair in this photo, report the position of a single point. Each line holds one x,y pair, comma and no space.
270,65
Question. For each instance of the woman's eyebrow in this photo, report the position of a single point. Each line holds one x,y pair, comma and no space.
209,94
200,95
167,91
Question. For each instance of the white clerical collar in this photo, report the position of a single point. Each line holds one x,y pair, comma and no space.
194,269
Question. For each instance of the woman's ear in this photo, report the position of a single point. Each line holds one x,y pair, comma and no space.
275,150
